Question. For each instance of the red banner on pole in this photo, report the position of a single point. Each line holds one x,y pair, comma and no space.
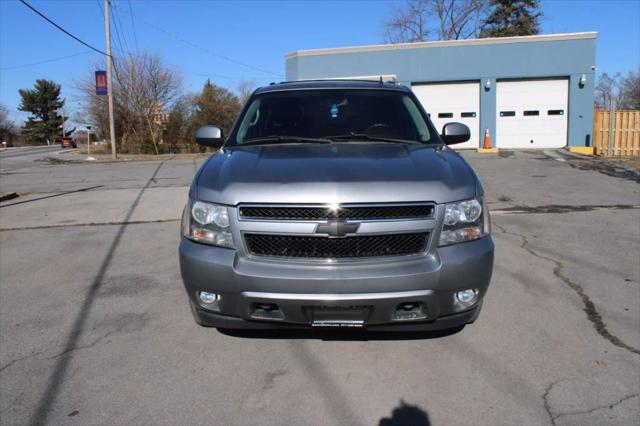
101,83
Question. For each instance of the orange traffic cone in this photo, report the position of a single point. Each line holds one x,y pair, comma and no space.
487,140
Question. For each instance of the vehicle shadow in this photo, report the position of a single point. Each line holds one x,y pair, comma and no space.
406,415
338,335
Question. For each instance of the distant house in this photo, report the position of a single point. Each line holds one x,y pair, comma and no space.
159,116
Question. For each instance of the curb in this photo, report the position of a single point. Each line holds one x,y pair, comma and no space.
85,160
58,160
581,150
571,154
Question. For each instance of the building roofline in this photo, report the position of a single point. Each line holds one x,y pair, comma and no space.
443,43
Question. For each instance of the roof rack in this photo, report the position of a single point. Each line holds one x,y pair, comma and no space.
381,80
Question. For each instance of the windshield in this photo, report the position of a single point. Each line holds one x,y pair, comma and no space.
331,113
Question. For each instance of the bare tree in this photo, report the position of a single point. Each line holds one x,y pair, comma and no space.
5,122
606,90
421,20
245,89
624,90
144,91
630,91
408,23
460,19
8,130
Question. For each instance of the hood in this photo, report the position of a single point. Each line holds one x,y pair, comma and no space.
336,173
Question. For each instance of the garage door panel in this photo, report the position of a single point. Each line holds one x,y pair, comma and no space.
449,102
531,113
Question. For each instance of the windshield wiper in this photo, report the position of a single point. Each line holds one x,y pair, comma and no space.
274,140
353,136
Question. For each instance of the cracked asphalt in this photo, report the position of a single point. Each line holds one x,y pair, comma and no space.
95,327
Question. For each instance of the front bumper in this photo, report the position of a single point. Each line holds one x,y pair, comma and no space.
299,288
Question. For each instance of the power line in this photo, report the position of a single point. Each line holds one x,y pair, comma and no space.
100,7
116,9
113,58
228,77
117,38
118,26
46,61
74,37
60,28
121,49
189,43
133,25
182,40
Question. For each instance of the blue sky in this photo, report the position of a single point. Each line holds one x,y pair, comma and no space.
231,41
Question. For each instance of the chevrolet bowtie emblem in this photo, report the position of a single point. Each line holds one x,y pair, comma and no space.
337,228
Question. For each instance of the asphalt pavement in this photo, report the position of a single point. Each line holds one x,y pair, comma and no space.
13,158
95,326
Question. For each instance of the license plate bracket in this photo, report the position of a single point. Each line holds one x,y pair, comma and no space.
338,316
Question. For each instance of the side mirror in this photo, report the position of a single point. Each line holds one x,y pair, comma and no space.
209,136
453,133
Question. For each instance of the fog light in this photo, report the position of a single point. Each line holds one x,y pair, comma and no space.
466,298
209,300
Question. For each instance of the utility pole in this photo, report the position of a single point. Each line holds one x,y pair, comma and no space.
112,127
88,141
64,135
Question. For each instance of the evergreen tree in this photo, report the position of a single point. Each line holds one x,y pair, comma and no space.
216,105
43,102
511,18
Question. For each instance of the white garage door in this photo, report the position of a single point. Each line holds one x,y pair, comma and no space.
532,114
452,102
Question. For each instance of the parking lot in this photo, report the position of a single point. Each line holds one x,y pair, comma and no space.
95,327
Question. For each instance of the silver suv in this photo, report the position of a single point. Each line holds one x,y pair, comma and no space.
335,204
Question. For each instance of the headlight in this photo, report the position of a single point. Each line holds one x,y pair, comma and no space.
464,221
207,223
